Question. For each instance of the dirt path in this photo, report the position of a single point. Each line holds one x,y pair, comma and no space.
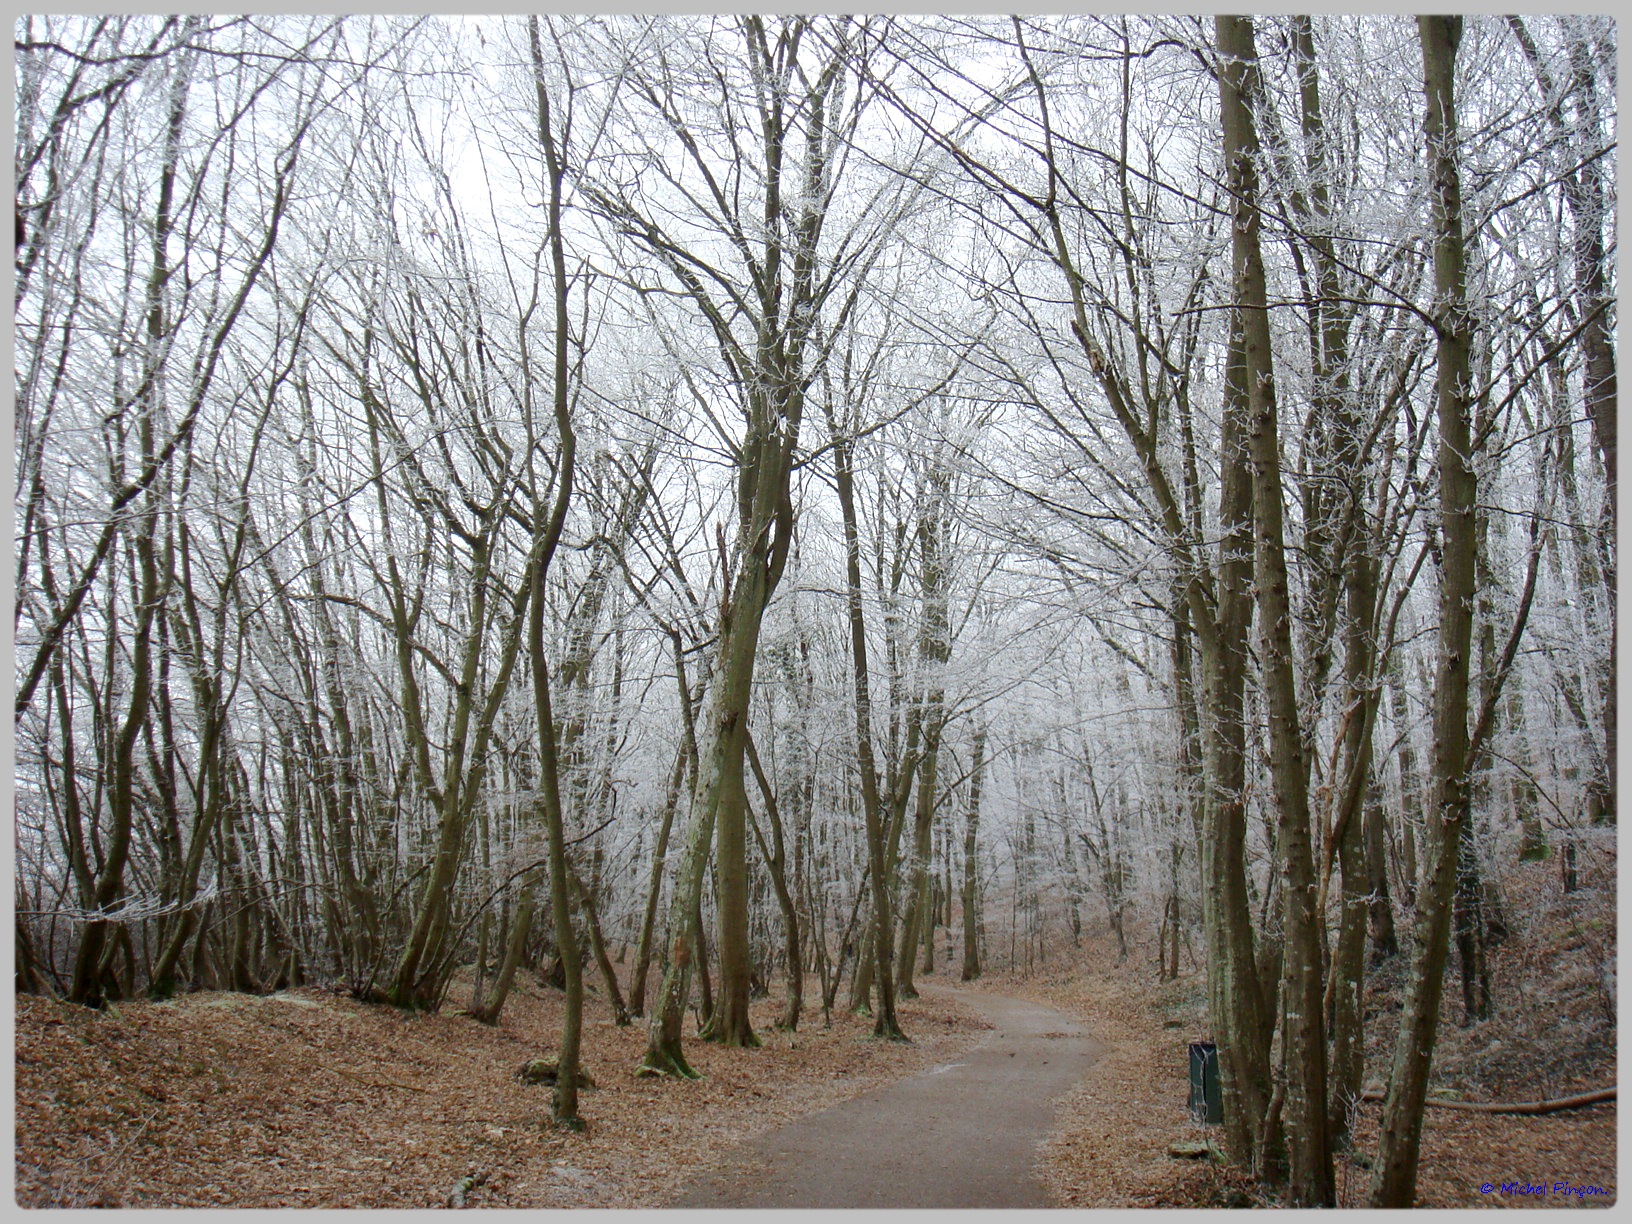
963,1134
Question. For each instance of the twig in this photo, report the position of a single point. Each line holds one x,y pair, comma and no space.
88,1194
372,1083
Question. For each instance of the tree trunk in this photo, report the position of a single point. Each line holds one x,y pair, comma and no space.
934,649
916,882
648,921
564,1108
1394,1182
93,981
775,856
1303,1039
1346,985
1410,781
861,978
723,769
515,949
665,1054
881,926
1240,1019
547,534
597,944
1591,200
1384,940
971,860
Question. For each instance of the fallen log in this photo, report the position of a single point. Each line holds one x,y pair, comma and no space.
1516,1107
1189,1150
547,1070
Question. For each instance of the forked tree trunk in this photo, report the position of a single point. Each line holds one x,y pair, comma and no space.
665,1053
1334,541
1304,1038
94,981
775,399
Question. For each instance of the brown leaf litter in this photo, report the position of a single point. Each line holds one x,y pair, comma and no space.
312,1099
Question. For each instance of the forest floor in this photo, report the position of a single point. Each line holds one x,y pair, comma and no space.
311,1099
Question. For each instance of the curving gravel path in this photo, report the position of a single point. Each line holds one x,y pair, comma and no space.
964,1134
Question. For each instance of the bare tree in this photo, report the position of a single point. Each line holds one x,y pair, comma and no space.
1394,1182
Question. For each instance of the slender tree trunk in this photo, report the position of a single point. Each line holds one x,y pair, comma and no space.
564,1107
1304,1038
1346,985
1590,198
917,875
93,981
861,978
1385,942
775,856
971,860
597,945
1192,784
1468,918
1410,780
664,1052
1394,1181
648,921
705,984
1241,1019
515,949
934,649
881,927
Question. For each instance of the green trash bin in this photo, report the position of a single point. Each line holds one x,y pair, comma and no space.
1206,1101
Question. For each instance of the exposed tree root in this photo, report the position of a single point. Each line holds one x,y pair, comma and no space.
1515,1107
667,1062
750,1039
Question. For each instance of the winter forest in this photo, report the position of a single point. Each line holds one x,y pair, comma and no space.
687,507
